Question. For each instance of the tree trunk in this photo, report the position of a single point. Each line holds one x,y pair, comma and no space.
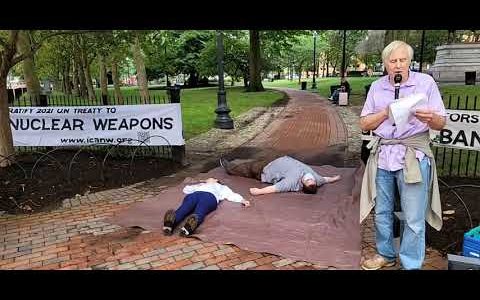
76,82
317,70
255,61
246,75
61,77
103,80
6,141
81,78
451,36
86,70
192,79
66,75
31,79
57,83
6,63
140,66
88,82
116,82
389,37
63,81
406,36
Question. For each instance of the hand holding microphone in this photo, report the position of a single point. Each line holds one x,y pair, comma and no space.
397,79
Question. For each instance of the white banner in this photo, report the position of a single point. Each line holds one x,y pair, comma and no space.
155,124
461,131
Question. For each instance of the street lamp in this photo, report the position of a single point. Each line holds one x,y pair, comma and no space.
223,120
343,53
314,84
421,50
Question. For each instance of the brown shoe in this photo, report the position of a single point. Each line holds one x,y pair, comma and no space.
377,262
190,225
168,222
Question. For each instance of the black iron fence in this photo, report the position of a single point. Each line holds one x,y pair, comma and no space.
458,162
38,176
73,100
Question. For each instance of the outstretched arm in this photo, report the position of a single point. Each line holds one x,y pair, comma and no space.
332,179
230,195
266,190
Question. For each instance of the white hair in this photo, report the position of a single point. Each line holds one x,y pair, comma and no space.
387,51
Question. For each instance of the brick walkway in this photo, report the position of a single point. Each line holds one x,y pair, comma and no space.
76,236
308,123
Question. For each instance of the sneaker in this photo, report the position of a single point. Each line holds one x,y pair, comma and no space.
377,262
184,232
190,225
168,222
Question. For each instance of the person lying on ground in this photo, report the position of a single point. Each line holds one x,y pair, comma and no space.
285,173
200,200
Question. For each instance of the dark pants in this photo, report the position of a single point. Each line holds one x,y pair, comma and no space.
200,203
249,168
335,96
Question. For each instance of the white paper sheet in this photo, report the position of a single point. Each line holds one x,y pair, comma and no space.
404,108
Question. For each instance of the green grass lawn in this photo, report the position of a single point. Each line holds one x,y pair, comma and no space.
463,96
357,84
198,105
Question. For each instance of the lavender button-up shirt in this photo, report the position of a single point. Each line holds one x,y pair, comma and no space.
381,94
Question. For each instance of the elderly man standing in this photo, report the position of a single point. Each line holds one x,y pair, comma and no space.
401,158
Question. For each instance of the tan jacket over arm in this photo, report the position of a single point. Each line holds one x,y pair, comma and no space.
411,172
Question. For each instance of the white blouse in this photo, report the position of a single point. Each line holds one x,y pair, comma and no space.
220,191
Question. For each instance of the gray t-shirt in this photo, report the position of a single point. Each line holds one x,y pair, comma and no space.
286,173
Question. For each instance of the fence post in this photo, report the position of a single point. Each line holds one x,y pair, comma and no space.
104,99
43,100
178,152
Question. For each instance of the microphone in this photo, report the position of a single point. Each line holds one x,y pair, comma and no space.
397,79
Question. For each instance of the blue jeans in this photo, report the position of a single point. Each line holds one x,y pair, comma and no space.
200,203
413,200
335,96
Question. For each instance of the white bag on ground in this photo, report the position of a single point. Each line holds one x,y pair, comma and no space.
343,98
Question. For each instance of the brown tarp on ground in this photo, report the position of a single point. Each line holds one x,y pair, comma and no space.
322,228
